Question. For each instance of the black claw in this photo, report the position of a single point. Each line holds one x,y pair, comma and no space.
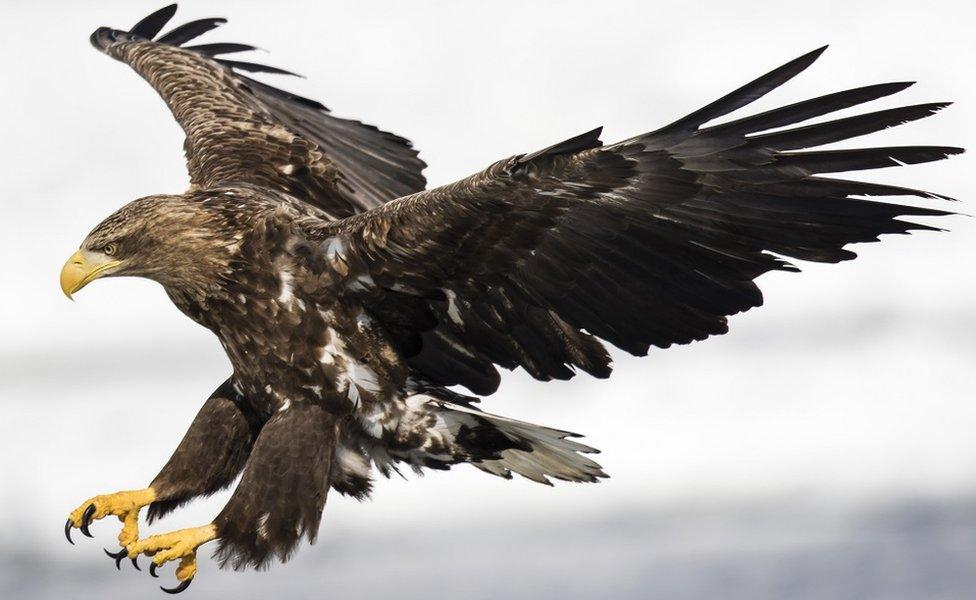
86,520
135,562
183,585
152,569
67,531
118,556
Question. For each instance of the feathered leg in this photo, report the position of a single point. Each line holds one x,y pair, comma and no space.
279,499
282,491
211,455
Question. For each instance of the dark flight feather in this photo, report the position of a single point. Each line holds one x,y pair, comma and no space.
254,67
845,129
189,31
220,48
376,165
150,26
838,161
808,109
744,95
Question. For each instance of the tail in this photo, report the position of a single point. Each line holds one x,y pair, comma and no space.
438,433
536,452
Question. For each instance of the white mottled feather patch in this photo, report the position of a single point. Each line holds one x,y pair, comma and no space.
452,308
287,287
354,376
351,462
335,249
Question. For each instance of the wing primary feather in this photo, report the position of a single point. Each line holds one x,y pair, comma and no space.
150,26
744,95
809,109
838,161
844,129
188,31
255,67
220,48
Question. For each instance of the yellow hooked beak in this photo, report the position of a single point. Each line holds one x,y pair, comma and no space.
82,268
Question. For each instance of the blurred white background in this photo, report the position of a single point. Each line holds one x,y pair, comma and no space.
823,449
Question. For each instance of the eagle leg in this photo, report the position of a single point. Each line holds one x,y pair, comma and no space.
177,545
124,505
211,454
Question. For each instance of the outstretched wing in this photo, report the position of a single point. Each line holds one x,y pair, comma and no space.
648,242
241,130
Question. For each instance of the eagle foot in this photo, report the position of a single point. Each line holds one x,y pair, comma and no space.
177,545
124,505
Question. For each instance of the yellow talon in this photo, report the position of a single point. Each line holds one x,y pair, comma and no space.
124,505
181,544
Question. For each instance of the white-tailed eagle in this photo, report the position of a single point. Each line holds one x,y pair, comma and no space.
351,302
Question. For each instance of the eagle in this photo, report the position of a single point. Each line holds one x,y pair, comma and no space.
365,316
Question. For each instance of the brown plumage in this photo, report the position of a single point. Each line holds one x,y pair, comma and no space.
346,313
239,129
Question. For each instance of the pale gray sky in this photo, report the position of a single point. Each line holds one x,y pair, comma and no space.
851,390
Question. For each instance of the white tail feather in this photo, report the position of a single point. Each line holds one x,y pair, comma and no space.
434,432
552,453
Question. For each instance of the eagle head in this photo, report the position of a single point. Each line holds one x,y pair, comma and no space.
184,243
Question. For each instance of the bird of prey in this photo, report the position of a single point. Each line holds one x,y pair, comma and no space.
354,304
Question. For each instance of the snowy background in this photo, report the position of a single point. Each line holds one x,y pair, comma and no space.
823,449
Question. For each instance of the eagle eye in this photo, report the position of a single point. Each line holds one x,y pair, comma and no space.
110,249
